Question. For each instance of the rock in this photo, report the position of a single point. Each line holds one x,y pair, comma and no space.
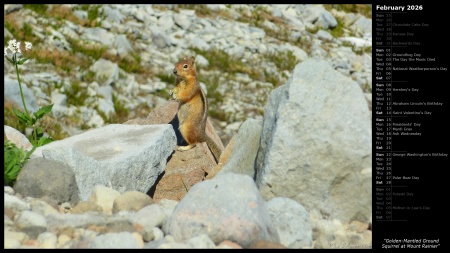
47,240
168,205
43,208
86,206
12,94
123,45
9,214
201,241
246,145
44,177
104,197
151,234
9,190
131,200
123,240
17,138
174,245
106,72
61,221
228,245
123,157
291,221
316,141
14,240
15,204
149,216
183,169
30,219
98,34
227,207
261,244
317,15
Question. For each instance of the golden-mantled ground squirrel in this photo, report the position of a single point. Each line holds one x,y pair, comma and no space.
193,107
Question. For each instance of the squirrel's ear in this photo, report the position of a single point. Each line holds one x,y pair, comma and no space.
192,59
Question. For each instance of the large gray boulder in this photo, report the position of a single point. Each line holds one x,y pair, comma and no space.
316,142
227,207
292,222
123,157
43,177
243,156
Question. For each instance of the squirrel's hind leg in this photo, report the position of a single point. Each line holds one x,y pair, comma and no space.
184,148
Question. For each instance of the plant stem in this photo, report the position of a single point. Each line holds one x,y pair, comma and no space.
21,93
23,101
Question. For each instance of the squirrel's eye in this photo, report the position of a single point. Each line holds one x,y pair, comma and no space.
185,66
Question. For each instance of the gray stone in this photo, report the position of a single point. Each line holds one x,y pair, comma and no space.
159,37
122,45
168,205
232,209
58,98
123,157
30,219
201,242
166,22
15,204
104,197
149,216
112,15
43,208
319,16
324,35
106,72
362,25
9,190
12,93
80,14
16,137
245,149
152,234
47,240
123,240
132,200
292,222
13,240
59,221
183,20
98,34
44,177
86,207
315,142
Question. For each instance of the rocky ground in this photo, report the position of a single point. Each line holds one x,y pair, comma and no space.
101,64
300,180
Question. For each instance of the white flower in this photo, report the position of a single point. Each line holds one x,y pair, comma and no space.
6,51
28,45
12,46
18,47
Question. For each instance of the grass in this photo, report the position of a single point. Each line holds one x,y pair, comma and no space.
77,94
363,9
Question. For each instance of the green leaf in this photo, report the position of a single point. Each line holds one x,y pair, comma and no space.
9,59
14,160
23,117
22,61
42,111
44,140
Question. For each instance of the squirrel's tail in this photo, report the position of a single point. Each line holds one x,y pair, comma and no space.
215,150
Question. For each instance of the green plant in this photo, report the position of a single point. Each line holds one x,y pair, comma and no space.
15,158
38,138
